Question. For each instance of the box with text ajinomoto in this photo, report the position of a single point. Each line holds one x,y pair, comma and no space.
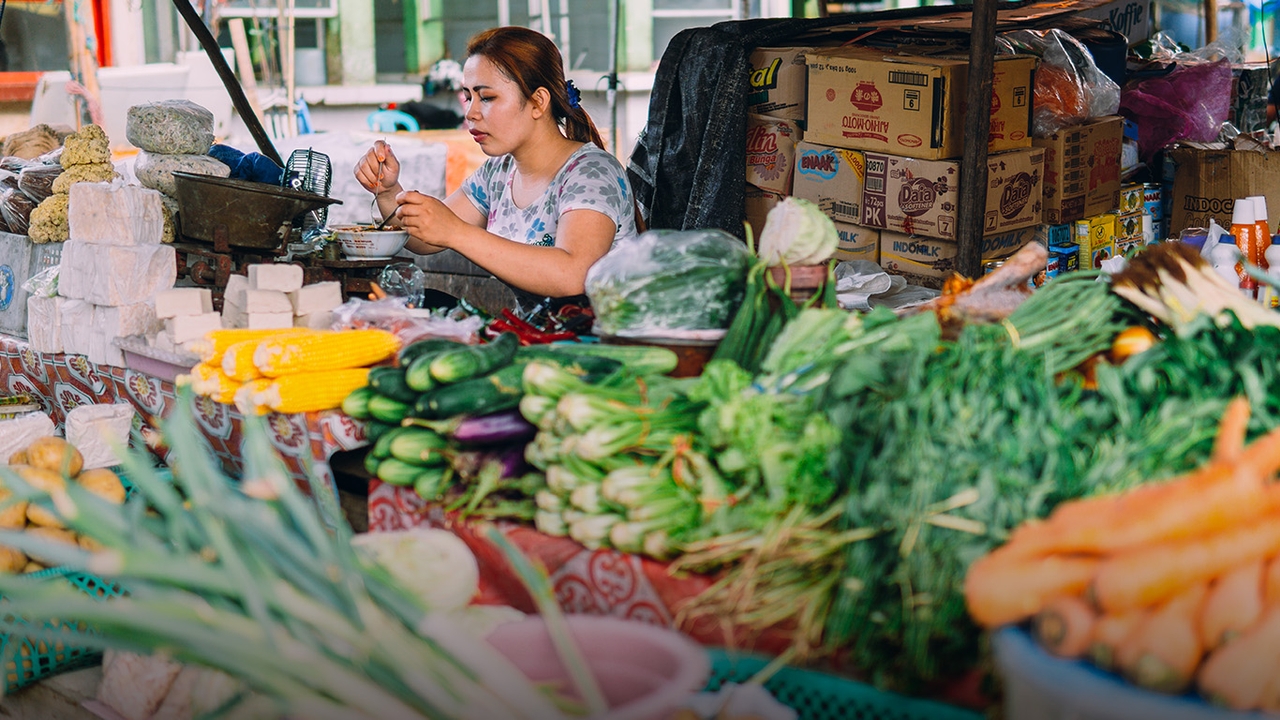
911,105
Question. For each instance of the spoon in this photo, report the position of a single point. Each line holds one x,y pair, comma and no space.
382,225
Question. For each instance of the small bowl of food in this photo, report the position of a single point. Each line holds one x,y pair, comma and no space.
367,243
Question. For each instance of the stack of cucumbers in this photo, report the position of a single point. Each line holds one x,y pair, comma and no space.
450,412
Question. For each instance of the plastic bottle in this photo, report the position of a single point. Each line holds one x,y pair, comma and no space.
1262,229
1225,259
1269,297
1243,229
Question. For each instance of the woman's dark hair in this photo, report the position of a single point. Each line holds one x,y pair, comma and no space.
532,61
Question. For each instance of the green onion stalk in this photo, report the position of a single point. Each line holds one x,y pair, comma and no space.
265,588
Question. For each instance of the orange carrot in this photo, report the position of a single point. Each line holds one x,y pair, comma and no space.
1000,589
1231,431
1238,673
1234,603
1149,575
1110,633
1065,626
1162,654
1271,583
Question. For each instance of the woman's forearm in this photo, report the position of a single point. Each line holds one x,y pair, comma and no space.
387,204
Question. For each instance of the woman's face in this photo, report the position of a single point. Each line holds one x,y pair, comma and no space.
498,116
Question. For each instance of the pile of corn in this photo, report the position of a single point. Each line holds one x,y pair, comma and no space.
48,464
287,371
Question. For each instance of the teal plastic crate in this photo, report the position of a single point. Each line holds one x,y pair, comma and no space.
819,696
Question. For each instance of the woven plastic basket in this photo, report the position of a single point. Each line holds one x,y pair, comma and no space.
819,696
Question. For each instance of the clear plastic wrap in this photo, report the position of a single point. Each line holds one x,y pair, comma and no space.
393,315
1069,86
37,180
668,280
53,157
43,283
13,163
170,127
16,209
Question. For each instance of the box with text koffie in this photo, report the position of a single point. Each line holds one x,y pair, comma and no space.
911,105
922,197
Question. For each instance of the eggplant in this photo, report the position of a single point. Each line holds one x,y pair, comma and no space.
508,426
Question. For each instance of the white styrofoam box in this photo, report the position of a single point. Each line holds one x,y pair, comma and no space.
115,214
186,328
96,430
76,322
237,286
17,433
316,297
284,277
44,324
116,275
267,301
183,301
269,321
102,351
318,320
20,260
124,320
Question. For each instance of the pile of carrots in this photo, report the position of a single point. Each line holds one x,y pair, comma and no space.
1172,584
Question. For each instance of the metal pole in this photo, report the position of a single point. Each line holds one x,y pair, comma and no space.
977,127
611,94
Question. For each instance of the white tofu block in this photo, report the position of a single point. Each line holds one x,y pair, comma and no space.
115,214
237,286
186,328
163,341
269,321
76,319
17,433
115,275
44,323
283,277
319,320
95,430
183,301
102,351
234,317
125,320
267,301
316,297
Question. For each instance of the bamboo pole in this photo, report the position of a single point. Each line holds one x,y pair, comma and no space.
244,63
1210,21
977,127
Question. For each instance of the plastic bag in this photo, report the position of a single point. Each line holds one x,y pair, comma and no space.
393,315
44,283
170,127
13,164
53,157
668,280
1069,87
1190,103
37,180
16,209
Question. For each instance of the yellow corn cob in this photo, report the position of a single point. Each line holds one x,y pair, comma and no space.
200,373
237,361
319,351
246,397
219,388
214,344
311,392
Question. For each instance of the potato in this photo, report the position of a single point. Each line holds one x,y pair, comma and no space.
56,454
40,478
13,517
56,535
103,483
41,516
11,560
88,543
19,458
32,566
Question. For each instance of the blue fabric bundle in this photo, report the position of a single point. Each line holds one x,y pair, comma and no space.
253,166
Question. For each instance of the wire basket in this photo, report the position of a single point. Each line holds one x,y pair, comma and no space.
819,696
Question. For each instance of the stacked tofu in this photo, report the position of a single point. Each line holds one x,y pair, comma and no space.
187,314
112,268
272,296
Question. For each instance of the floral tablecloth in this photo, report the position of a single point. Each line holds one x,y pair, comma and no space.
63,382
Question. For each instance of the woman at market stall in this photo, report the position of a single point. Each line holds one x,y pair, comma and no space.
547,204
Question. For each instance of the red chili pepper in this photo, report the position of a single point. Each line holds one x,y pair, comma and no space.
530,334
497,326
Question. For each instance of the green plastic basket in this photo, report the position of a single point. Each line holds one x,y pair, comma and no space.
819,696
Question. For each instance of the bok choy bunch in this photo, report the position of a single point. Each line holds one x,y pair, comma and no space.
252,580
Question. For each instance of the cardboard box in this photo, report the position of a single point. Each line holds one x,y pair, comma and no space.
928,261
911,105
1131,198
921,197
1206,184
831,178
779,81
771,152
758,203
1050,235
1096,237
1129,227
1131,18
1081,170
857,243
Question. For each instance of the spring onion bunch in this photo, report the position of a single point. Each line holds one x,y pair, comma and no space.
251,580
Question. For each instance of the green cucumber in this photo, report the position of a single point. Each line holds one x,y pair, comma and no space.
473,361
388,410
418,375
397,472
357,403
389,381
374,429
419,446
479,396
371,463
639,359
415,350
430,483
382,447
568,361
